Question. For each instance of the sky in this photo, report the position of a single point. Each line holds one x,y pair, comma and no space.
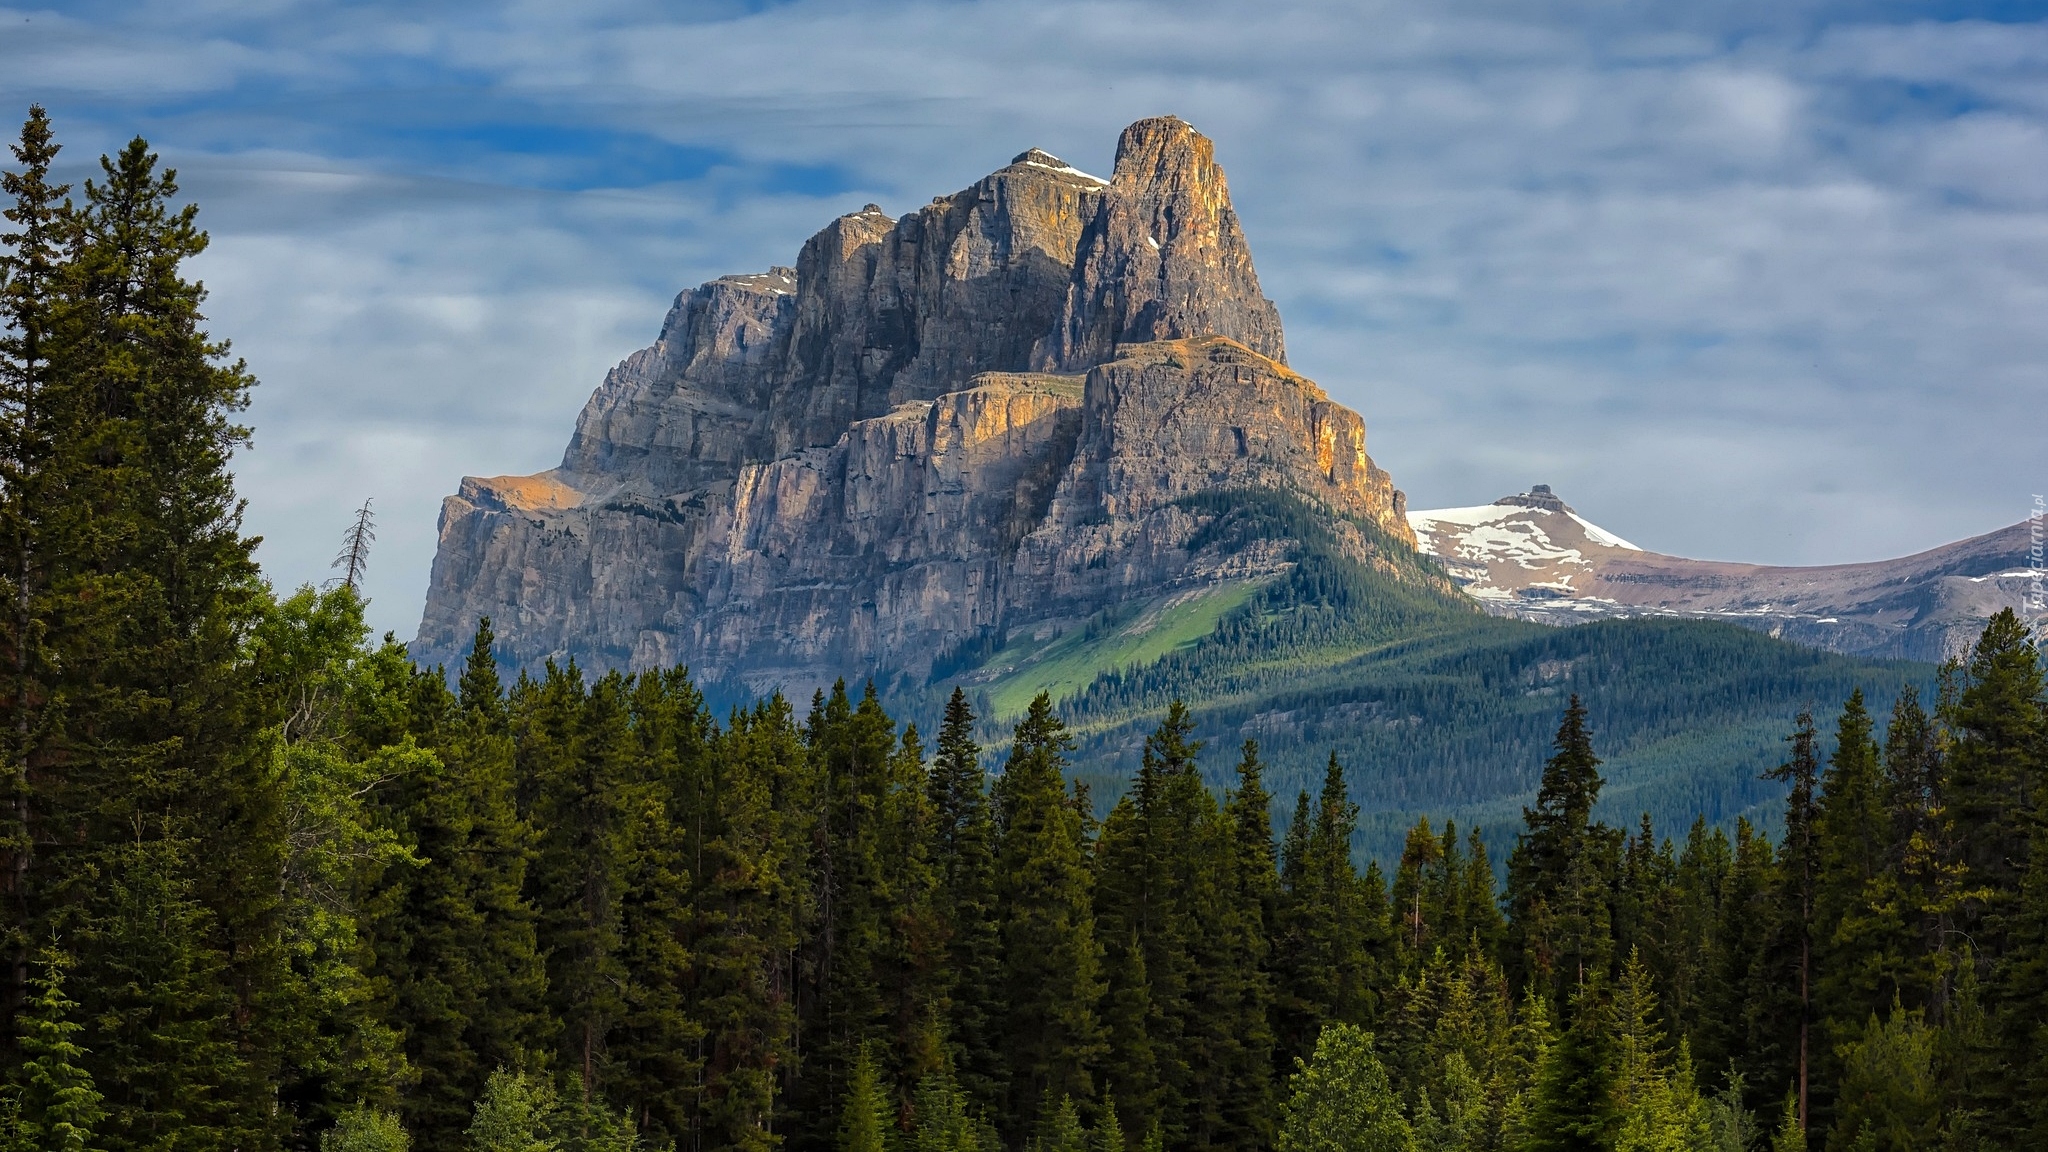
1760,280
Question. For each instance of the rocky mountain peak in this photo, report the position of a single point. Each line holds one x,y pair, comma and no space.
989,412
1040,158
1538,496
1165,258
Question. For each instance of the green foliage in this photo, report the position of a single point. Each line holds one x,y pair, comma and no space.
55,1106
291,891
1340,1100
1052,962
1890,1097
366,1130
515,1114
864,1114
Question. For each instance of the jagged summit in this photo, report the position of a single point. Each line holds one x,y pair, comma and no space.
1538,496
983,415
1040,158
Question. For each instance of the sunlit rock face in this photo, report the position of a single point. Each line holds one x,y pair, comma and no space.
986,414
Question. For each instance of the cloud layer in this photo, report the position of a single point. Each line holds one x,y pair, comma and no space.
1742,280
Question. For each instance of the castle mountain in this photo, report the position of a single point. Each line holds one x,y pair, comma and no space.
993,415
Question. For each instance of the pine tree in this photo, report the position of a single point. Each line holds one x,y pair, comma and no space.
366,1130
1239,974
1854,927
864,1113
1575,1107
1560,874
1059,1127
58,1106
1799,863
513,1114
30,270
1995,772
138,733
1051,961
655,1048
752,836
1328,924
963,859
454,939
1922,871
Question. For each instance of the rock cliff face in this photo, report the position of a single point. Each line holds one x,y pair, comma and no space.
985,414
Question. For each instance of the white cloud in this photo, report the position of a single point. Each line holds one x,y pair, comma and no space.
1745,281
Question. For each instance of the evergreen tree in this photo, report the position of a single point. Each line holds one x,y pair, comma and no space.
136,720
513,1115
945,1120
1327,925
752,836
30,271
1855,927
1059,1128
1574,1107
454,940
57,1105
963,861
1560,873
1890,1094
1799,864
1051,962
864,1115
366,1130
1342,1101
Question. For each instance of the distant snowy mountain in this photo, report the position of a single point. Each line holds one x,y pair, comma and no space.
1531,556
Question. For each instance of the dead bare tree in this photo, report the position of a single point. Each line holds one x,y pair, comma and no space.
354,558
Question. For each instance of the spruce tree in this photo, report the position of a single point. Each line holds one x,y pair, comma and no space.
864,1112
1799,864
454,940
963,860
30,269
57,1105
149,778
752,838
1051,961
1560,875
1855,927
1328,920
1341,1100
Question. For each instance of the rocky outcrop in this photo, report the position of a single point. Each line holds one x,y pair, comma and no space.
1530,555
986,413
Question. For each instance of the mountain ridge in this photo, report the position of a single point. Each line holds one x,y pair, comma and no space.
1532,556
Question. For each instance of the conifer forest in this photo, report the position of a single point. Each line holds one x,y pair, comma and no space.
267,884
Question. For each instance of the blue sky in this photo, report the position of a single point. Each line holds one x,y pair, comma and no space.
1751,281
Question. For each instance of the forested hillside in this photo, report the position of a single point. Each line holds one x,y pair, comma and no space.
269,884
1432,706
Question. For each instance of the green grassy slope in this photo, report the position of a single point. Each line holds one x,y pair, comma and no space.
1433,707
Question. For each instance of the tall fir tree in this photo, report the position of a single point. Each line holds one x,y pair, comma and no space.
454,941
1560,874
963,859
1051,962
1799,866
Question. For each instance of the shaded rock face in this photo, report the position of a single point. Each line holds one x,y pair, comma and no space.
983,414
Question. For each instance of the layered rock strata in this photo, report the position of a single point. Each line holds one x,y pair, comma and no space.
982,414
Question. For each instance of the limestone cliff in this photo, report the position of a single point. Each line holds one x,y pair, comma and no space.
984,414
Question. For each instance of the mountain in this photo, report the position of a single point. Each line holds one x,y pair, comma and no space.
1531,556
1042,435
979,420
